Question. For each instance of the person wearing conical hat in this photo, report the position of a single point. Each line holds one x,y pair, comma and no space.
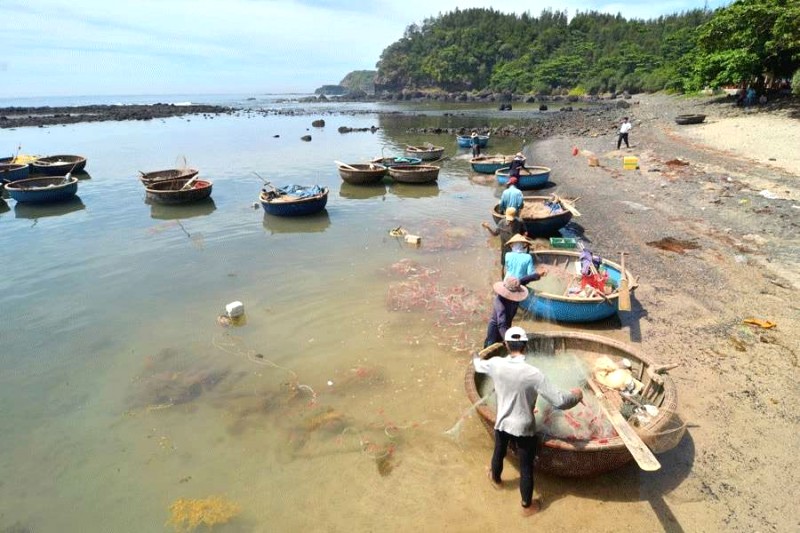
475,143
507,227
518,262
518,385
517,164
508,294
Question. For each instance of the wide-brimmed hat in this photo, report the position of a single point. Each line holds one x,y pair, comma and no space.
474,134
619,379
511,213
518,238
519,155
510,289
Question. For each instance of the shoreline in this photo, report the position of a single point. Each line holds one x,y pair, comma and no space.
736,383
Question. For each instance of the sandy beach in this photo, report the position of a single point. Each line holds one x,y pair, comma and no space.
712,227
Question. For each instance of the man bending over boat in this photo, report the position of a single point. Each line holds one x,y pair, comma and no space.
509,293
518,385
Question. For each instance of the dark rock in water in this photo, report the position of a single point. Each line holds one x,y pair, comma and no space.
319,123
542,107
275,136
306,138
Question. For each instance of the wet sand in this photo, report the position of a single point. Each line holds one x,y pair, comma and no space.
701,186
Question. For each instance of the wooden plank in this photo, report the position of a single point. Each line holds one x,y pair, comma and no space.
639,450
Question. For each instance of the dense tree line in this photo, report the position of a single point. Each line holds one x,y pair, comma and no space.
477,49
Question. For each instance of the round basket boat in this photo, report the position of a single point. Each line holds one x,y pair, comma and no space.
581,458
43,190
547,299
168,174
13,172
529,177
426,153
538,226
362,174
172,191
465,141
689,119
490,164
58,165
414,173
287,205
389,162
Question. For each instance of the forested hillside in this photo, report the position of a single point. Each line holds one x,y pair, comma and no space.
478,49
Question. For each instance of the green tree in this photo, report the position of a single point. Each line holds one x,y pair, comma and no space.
749,39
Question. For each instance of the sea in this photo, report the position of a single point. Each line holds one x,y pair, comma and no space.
128,405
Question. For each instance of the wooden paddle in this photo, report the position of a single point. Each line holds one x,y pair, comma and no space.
188,185
624,289
639,450
566,204
345,165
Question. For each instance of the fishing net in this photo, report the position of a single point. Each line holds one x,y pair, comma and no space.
190,514
455,431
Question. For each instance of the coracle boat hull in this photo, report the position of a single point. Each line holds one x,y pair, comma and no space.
43,190
362,174
58,165
573,309
287,206
529,177
172,192
414,173
167,174
465,141
426,153
538,227
13,172
583,458
490,164
689,119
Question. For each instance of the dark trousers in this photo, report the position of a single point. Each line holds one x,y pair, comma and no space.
492,334
526,453
623,137
476,150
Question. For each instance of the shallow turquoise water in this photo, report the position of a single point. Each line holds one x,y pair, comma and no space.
119,391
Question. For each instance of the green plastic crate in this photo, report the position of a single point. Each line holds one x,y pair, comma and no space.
563,242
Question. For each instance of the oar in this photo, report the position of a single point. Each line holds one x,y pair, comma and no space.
345,165
624,289
566,204
188,185
639,450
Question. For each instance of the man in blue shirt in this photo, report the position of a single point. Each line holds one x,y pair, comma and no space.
518,385
512,197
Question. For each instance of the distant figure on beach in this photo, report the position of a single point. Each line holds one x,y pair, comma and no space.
507,227
508,294
518,386
517,164
511,197
624,129
475,142
518,262
750,99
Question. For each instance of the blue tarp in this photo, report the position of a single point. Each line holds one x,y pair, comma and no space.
300,190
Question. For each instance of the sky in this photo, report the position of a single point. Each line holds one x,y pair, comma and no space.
150,47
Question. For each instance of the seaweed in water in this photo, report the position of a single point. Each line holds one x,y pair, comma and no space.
189,514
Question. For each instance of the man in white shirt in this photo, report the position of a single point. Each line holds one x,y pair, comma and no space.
623,133
518,385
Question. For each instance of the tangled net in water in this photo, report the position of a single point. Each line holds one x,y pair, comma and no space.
189,514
